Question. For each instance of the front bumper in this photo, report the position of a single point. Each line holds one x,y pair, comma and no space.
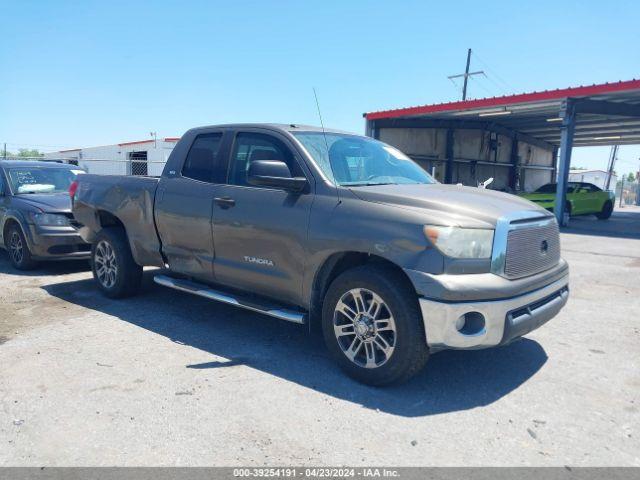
494,322
57,243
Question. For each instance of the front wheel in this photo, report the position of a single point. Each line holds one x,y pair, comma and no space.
372,326
18,250
607,210
114,269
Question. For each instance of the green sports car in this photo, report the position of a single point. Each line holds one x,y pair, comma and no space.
582,199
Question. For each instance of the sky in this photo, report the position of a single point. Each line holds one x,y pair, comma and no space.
86,73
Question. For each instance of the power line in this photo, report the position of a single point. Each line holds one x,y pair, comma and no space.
493,73
483,87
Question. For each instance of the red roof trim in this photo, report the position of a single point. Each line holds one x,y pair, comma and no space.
558,94
171,139
72,150
134,143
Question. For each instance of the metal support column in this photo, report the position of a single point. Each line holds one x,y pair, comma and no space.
514,178
368,128
568,115
448,169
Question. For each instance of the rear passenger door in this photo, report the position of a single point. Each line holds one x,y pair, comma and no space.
594,197
184,203
260,233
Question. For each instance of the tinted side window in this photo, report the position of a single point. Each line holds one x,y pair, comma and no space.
592,187
250,147
202,159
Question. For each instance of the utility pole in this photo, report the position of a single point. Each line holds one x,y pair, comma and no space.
155,139
466,75
612,162
5,150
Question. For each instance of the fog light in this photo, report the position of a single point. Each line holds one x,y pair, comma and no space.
471,323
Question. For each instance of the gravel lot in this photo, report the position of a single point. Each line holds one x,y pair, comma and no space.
170,379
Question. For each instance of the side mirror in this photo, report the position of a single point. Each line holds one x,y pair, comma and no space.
274,174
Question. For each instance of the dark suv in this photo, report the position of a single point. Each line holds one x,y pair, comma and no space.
36,222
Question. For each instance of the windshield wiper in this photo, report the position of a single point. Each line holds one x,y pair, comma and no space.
369,184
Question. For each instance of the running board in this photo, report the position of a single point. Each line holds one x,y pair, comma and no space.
205,291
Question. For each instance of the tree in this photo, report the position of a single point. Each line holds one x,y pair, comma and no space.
631,177
25,152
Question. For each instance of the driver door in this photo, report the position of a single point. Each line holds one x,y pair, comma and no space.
260,233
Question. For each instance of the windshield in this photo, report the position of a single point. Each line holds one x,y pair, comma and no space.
41,179
350,160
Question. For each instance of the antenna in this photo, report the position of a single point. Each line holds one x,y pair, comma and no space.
326,143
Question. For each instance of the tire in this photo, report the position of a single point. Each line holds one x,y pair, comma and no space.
607,210
18,249
114,269
403,336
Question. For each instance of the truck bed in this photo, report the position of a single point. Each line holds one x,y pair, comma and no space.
130,200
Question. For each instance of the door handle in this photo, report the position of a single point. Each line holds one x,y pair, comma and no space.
225,202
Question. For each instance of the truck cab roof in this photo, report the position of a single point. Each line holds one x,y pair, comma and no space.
282,127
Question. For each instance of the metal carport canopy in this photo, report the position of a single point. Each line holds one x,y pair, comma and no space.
603,114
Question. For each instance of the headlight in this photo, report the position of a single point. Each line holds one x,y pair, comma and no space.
461,242
50,220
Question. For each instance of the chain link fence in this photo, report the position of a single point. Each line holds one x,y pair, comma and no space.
627,193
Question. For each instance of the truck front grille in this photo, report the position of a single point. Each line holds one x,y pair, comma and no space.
532,249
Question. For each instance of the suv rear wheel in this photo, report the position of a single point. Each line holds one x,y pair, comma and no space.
114,269
372,325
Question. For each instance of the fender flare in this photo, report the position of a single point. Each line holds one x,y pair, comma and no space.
16,217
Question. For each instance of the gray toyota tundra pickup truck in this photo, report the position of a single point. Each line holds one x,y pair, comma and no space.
335,230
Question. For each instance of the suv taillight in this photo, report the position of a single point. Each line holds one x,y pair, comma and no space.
73,188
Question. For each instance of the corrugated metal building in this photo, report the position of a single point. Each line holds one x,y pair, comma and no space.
515,139
477,154
144,157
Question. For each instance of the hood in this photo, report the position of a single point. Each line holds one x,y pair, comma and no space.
450,204
48,202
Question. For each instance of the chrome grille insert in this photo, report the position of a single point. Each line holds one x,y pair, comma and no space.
532,249
525,243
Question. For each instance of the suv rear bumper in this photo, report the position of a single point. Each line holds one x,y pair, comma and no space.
494,322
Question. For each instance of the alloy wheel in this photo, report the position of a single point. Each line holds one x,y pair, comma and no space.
105,264
16,248
364,328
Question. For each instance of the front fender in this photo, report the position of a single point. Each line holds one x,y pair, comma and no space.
354,226
19,217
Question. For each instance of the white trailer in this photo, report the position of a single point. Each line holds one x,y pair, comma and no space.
144,157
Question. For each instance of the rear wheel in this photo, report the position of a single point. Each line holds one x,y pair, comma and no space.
607,210
372,326
18,249
114,269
